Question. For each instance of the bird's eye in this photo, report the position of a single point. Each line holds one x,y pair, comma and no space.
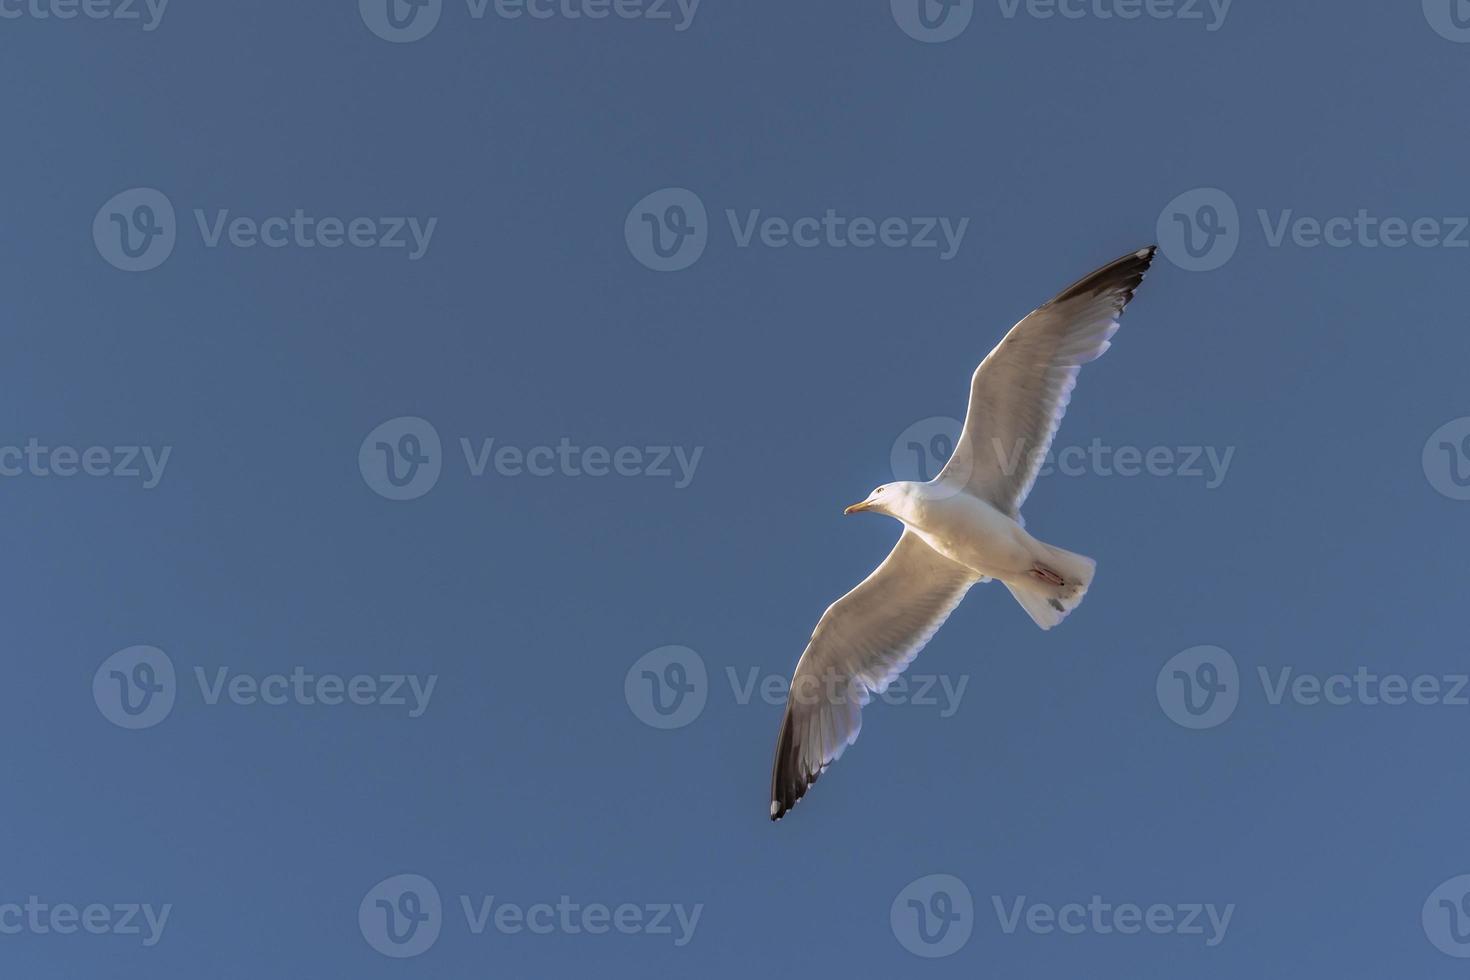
880,490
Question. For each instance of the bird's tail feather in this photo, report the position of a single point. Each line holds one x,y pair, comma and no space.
1049,604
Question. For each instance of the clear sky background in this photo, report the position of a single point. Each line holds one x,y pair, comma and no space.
1333,544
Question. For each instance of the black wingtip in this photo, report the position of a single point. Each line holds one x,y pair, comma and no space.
1121,276
789,782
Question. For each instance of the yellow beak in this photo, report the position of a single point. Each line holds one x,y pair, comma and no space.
857,507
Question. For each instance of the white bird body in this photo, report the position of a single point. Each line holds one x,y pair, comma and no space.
968,530
972,532
961,528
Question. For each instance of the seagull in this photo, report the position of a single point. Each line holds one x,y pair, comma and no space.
960,528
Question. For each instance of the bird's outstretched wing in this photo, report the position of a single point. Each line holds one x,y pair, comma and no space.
1019,393
863,641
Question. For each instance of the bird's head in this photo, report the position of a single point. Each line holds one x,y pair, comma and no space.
893,499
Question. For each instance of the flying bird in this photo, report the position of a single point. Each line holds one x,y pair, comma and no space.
960,528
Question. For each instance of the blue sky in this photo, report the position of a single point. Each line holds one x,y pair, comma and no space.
426,432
